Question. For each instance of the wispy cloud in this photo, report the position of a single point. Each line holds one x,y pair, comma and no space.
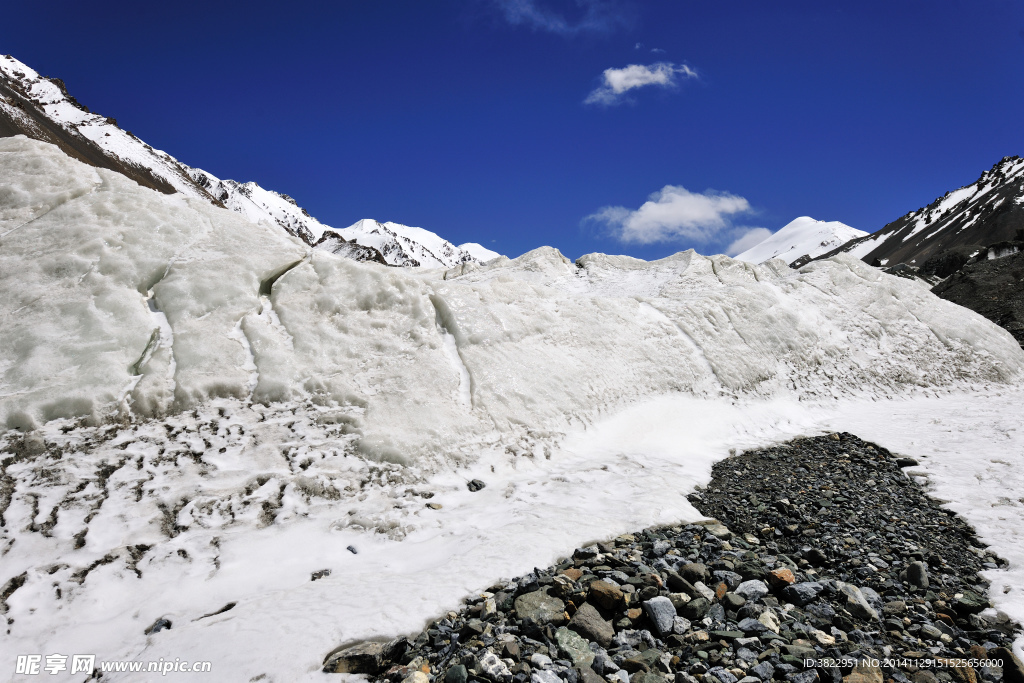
591,16
674,214
618,82
747,238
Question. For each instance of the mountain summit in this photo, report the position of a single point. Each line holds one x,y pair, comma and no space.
41,108
800,238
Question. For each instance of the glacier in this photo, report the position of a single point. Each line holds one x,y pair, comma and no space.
203,410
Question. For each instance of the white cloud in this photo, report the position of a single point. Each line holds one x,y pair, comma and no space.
748,237
594,16
617,82
673,213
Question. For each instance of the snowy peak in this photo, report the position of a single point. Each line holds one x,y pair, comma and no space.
802,237
987,211
403,245
41,108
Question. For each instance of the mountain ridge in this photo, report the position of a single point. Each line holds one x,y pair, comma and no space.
987,211
41,108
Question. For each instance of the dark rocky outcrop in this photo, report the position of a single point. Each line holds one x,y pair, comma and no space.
992,287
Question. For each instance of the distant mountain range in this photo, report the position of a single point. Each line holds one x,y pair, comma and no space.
42,108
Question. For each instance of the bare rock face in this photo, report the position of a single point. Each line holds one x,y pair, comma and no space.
992,287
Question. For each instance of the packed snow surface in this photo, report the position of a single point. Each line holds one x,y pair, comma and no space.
802,236
217,412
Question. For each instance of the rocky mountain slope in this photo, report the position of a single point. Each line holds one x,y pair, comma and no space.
42,108
992,287
801,240
989,210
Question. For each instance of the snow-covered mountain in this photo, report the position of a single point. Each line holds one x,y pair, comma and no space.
41,108
401,245
802,237
987,211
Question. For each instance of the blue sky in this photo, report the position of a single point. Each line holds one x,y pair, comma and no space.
589,125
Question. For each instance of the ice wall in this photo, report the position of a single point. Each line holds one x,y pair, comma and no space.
116,298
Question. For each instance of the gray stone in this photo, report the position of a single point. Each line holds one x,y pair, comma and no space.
574,647
493,668
749,625
588,675
680,625
589,623
802,593
647,677
539,607
457,674
733,601
730,579
895,608
696,609
704,591
857,602
929,631
803,677
722,674
545,676
540,661
661,547
800,651
755,589
716,529
764,671
619,676
603,664
475,485
693,572
970,603
662,614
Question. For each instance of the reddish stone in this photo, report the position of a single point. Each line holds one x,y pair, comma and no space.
780,578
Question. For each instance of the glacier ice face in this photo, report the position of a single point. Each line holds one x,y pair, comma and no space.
88,258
